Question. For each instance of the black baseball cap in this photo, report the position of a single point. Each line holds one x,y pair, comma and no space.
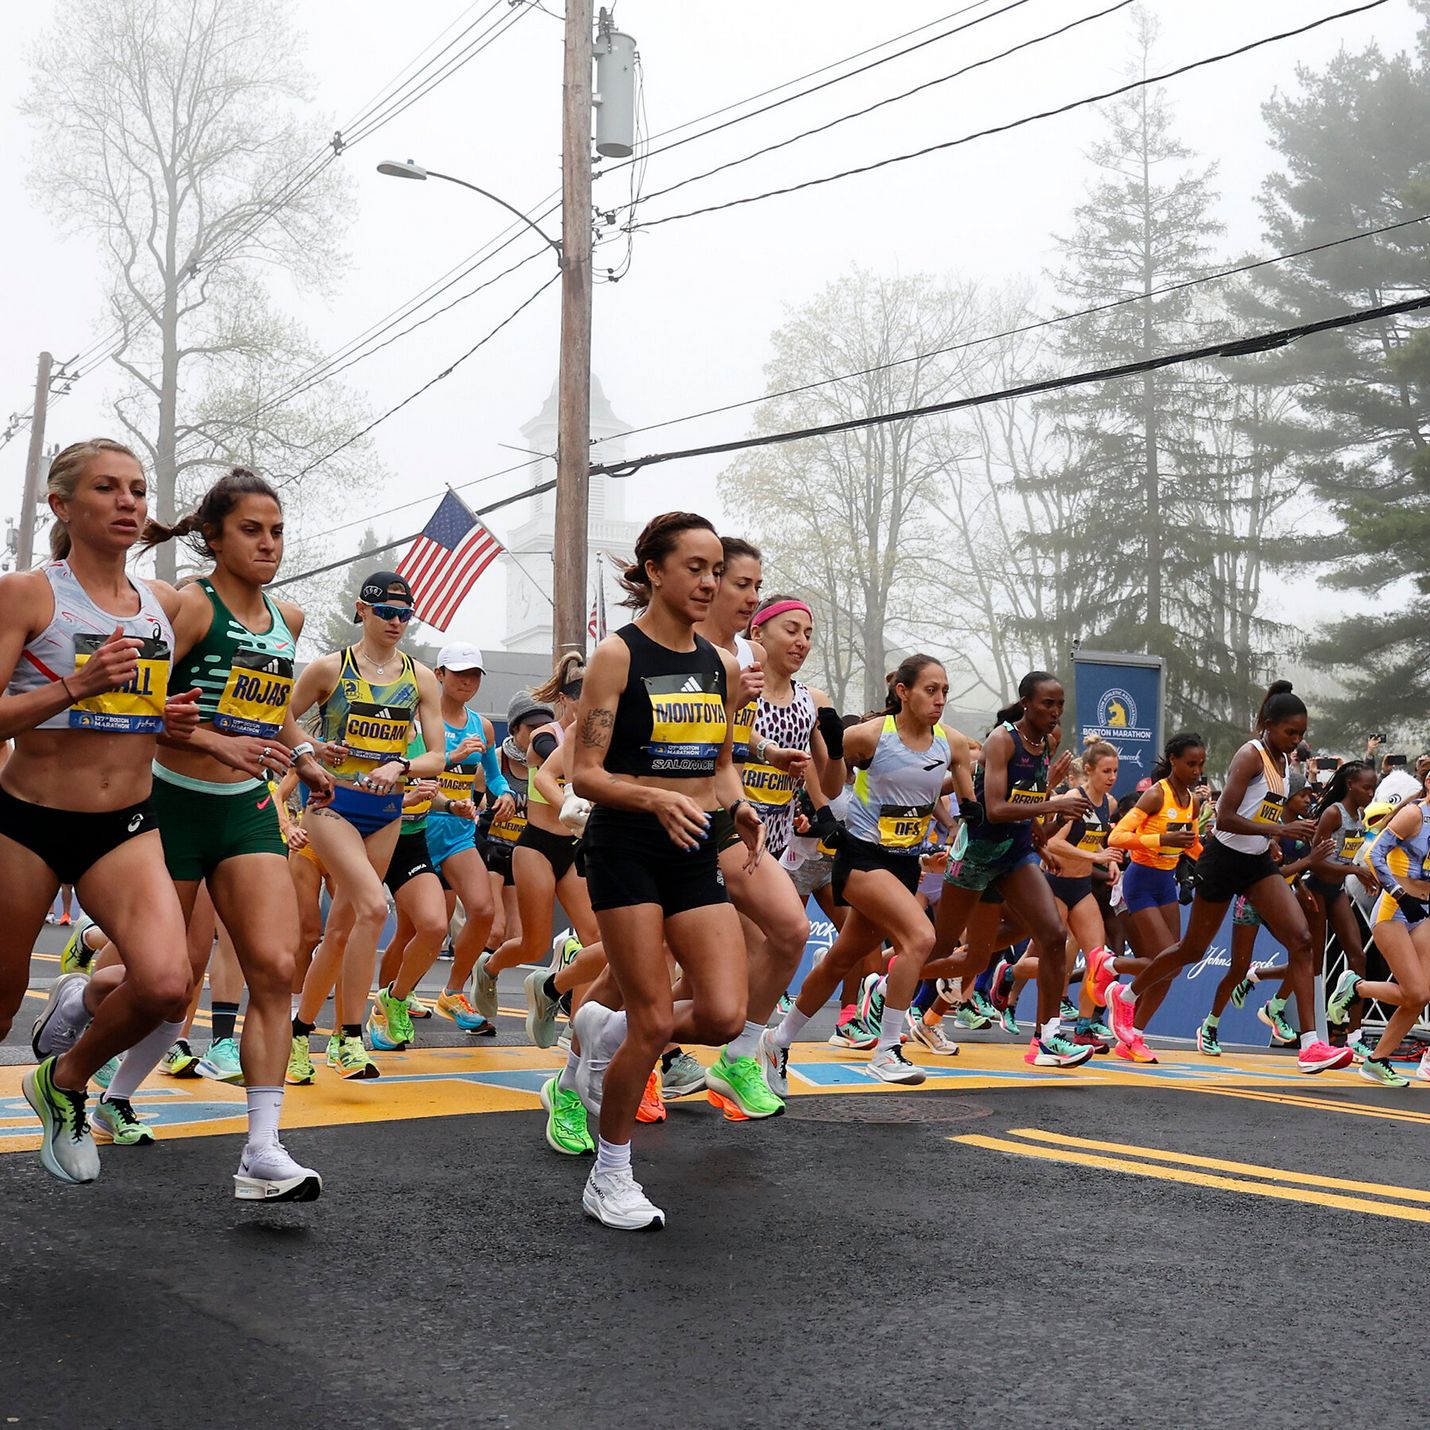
382,586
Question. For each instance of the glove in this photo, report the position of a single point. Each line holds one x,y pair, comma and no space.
824,827
971,812
575,811
1414,909
832,728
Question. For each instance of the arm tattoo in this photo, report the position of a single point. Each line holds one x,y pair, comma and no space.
596,729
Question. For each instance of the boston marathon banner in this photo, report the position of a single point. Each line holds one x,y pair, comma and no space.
1119,699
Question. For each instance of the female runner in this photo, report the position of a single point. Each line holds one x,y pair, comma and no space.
85,652
1238,861
371,696
653,755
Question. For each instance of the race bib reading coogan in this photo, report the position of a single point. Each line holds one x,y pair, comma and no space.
375,733
137,709
902,826
255,700
687,714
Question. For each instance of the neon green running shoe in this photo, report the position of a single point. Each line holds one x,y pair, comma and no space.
114,1121
742,1083
180,1061
1281,1031
354,1063
77,956
67,1150
300,1063
567,1131
1241,992
398,1017
1375,1070
1338,1005
335,1042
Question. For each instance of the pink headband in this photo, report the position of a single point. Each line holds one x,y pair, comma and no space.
778,609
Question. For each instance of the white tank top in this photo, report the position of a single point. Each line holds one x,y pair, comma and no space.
1262,803
744,652
77,627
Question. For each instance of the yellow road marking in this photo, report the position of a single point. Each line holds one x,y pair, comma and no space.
1198,1179
1246,1169
1316,1104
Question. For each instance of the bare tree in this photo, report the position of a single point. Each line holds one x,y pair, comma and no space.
176,132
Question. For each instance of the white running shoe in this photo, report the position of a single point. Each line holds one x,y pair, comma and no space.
268,1174
774,1063
600,1032
1422,1069
540,1009
616,1200
931,1036
890,1065
57,1029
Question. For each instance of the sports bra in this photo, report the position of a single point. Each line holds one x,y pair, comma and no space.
670,719
1263,802
374,722
76,630
534,795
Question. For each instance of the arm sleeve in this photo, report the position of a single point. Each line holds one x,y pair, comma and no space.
1378,858
1126,834
491,769
544,744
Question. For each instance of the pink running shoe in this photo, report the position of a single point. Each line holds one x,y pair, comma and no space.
1122,1010
1322,1057
1134,1049
1101,975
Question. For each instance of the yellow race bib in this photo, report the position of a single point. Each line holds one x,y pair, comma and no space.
767,786
457,784
687,714
508,830
255,700
903,826
744,728
1018,795
1269,810
1352,846
1093,841
375,733
137,709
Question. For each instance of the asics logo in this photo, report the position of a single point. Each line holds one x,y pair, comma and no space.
135,822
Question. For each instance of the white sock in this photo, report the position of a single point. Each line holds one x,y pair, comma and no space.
790,1027
891,1027
747,1044
142,1059
1253,976
294,1002
264,1106
1312,1037
567,1081
612,1156
1052,1028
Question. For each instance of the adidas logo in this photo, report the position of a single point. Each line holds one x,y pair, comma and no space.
383,714
692,686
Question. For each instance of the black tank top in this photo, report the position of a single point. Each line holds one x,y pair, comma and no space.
670,719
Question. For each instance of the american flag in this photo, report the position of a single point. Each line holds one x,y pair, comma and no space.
446,560
596,626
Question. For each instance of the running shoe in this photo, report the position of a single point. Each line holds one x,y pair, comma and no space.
784,1005
1101,975
969,1017
395,1017
774,1063
1376,1070
457,1008
1135,1049
564,1041
1099,1029
114,1121
599,1031
335,1044
1086,1038
949,989
540,1009
446,953
57,1029
871,999
930,1036
105,1075
1361,1047
1009,1022
67,1149
377,1033
300,1063
651,1108
981,1005
1422,1068
1122,1012
354,1063
483,1029
1338,1005
1241,993
1002,985
741,1081
180,1061
566,1128
617,1200
416,1008
683,1077
77,956
268,1174
221,1062
484,989
1281,1031
1322,1057
1067,1011
565,949
1056,1052
890,1065
851,1033
1207,1044
63,921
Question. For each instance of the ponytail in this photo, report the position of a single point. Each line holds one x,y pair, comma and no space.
910,668
205,523
1010,714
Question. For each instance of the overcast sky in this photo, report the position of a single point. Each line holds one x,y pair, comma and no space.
688,328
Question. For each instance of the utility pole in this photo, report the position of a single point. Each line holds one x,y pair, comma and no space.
573,449
25,547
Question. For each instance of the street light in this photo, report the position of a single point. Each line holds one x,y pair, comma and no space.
395,169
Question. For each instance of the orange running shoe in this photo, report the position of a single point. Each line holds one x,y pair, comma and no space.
652,1109
727,1105
1135,1050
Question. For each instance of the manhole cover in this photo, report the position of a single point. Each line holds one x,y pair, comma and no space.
883,1109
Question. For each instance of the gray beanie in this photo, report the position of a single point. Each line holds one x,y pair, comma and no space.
523,707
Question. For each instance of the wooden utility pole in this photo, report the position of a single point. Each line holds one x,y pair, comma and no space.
25,536
573,443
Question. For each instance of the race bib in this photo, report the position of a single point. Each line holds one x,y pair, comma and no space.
375,733
255,700
508,830
903,826
457,784
767,786
1269,810
744,728
1094,840
687,723
1352,846
137,709
1018,795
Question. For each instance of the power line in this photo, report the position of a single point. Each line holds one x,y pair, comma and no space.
1231,348
1034,326
1012,124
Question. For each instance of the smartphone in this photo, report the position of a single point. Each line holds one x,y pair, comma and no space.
1326,762
1396,761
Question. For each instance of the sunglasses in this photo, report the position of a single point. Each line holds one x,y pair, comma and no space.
393,613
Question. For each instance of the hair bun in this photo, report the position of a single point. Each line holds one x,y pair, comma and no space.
1088,741
1279,687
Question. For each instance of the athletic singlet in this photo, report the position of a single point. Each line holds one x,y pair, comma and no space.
244,679
745,715
458,782
670,719
374,722
1027,784
414,816
1262,803
771,790
1172,818
534,795
1350,836
1396,859
894,797
508,830
1088,832
76,630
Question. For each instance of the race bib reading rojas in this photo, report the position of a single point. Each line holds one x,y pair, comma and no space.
255,700
137,709
687,723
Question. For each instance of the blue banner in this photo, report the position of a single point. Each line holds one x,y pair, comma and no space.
1119,699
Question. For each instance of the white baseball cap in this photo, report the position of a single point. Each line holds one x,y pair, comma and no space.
460,655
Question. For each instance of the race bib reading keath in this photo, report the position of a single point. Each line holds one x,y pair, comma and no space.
255,700
138,708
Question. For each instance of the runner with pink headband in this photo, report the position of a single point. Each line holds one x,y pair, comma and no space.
778,608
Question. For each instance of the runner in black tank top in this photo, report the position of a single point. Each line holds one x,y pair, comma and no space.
653,755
